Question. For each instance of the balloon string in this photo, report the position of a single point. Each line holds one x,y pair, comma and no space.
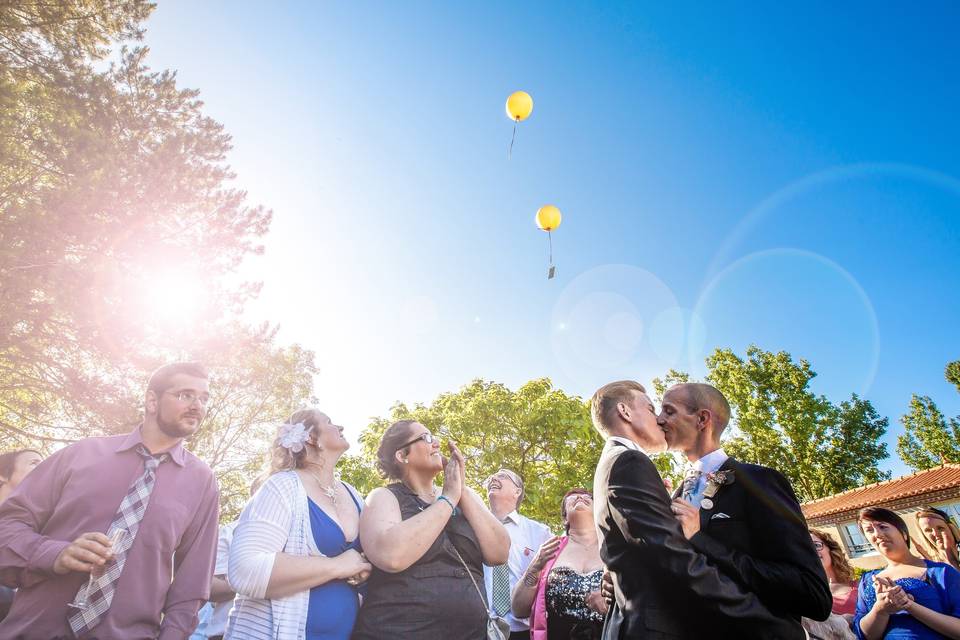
514,137
550,240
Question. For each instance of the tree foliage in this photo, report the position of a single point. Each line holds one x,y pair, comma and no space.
821,447
929,438
537,431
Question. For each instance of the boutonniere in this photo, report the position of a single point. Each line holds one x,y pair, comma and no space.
716,480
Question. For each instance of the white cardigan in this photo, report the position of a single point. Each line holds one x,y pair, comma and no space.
277,519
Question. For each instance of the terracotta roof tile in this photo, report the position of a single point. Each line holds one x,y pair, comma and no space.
916,484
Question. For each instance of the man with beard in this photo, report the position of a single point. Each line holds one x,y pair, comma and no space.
663,588
155,500
744,517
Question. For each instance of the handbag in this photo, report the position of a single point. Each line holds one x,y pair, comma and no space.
497,628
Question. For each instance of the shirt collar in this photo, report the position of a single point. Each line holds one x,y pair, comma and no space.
134,438
629,444
711,462
513,516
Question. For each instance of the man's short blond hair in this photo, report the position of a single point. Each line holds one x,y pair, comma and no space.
603,405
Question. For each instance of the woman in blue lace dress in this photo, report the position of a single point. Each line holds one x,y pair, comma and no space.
911,598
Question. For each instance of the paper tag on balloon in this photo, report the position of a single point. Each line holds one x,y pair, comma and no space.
552,272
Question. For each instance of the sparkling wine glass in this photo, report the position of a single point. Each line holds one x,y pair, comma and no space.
117,537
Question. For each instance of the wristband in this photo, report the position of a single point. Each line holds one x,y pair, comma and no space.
447,500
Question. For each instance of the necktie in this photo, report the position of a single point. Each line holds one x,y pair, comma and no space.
501,589
132,507
690,485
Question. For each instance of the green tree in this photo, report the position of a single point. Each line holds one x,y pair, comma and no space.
929,439
538,431
779,422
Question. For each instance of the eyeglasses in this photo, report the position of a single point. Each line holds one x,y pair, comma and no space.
818,546
190,397
427,437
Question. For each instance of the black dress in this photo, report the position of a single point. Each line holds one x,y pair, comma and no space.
432,599
568,616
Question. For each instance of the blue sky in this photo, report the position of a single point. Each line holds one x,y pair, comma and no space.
728,175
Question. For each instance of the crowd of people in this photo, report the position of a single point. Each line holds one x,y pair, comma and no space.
117,538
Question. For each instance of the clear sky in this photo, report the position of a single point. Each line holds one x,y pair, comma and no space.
728,174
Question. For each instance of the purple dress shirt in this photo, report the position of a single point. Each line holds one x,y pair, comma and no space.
78,489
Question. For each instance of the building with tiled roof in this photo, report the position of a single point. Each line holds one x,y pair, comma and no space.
837,514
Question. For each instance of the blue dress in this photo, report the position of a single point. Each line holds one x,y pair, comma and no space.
938,590
333,605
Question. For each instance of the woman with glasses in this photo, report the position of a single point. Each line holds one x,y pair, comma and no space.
295,557
911,598
426,544
560,590
839,573
940,534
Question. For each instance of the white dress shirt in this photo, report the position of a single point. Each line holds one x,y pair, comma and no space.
526,536
709,463
629,444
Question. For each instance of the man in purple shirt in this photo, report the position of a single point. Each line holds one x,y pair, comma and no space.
52,529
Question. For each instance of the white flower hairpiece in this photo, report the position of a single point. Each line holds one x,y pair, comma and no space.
292,436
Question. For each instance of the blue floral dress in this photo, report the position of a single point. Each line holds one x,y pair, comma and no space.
938,589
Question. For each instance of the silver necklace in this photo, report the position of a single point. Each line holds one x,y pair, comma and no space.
330,492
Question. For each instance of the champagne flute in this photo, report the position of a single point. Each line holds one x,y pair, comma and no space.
117,537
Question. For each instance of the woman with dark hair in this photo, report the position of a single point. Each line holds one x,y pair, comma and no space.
560,591
426,544
940,534
295,559
839,573
911,598
14,467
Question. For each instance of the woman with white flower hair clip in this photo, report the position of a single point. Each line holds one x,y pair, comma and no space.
296,561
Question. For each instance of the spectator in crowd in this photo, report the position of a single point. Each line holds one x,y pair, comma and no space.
911,598
504,494
560,590
940,534
295,559
14,467
139,509
214,614
426,544
843,586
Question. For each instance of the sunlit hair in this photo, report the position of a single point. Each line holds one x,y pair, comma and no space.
563,504
8,461
160,379
391,441
704,396
283,459
879,514
603,405
929,545
514,478
838,559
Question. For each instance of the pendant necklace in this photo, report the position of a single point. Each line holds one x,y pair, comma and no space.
330,492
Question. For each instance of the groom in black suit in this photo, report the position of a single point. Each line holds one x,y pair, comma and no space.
663,588
744,517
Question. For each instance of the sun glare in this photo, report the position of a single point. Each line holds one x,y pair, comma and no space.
175,297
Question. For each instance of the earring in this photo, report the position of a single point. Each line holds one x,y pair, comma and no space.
406,461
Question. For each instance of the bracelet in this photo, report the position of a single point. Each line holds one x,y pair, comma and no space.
447,500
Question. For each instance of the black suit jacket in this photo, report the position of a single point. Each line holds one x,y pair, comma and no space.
663,587
764,543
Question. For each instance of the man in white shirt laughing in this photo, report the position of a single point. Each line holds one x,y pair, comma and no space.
505,493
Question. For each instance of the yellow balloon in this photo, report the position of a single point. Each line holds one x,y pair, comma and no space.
519,106
548,217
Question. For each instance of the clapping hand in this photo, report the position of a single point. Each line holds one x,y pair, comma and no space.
453,473
890,596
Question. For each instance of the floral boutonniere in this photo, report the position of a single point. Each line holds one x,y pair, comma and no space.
716,480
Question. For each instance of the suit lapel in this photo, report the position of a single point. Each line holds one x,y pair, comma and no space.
706,514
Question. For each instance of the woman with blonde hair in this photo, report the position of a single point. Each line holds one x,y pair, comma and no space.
940,534
295,559
843,586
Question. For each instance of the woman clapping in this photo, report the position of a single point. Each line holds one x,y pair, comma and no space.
426,544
